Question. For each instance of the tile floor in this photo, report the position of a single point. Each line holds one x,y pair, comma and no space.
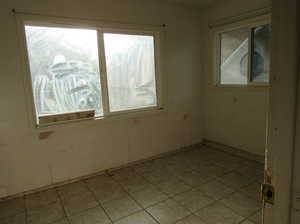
196,186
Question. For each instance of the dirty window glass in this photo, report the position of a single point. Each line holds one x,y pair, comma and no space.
234,57
261,51
130,71
64,69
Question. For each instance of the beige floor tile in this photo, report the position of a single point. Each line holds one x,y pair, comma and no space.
160,163
12,207
41,199
216,189
122,173
252,173
150,184
235,180
227,160
16,219
192,219
145,167
73,189
158,176
137,218
135,183
256,218
91,216
253,191
176,169
193,200
229,166
110,192
218,213
99,182
172,187
168,212
79,203
45,215
194,179
247,222
241,204
254,165
120,208
62,221
209,169
149,196
213,170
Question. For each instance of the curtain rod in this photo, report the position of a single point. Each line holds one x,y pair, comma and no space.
243,16
14,11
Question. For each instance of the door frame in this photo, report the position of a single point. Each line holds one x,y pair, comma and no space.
282,115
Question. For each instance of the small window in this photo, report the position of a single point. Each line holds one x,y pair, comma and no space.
130,71
234,56
82,73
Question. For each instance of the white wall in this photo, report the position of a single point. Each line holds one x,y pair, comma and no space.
233,116
83,148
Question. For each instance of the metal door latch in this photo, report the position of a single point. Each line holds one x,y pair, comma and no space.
268,193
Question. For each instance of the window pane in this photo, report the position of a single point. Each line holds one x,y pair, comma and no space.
261,54
234,57
64,69
130,71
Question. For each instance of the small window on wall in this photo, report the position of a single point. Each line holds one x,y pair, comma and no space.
83,73
234,57
244,56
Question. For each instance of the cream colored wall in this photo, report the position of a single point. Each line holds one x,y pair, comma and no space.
83,148
233,116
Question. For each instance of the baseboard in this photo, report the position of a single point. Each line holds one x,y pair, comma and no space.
234,151
161,155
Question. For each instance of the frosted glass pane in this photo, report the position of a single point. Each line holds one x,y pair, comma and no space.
130,71
261,54
234,57
64,69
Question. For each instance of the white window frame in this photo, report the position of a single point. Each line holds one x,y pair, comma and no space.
101,28
217,31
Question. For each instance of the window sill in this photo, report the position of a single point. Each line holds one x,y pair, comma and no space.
246,86
86,122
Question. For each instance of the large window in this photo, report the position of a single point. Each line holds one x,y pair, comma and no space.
244,56
88,71
64,70
130,71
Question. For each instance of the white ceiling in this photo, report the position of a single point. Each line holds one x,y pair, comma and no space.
194,2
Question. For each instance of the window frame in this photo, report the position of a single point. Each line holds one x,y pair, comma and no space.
100,27
243,24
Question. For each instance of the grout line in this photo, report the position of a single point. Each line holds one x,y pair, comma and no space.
62,205
217,178
26,210
94,195
129,194
97,173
